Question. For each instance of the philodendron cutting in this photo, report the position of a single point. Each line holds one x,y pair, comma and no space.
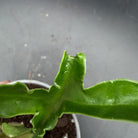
116,99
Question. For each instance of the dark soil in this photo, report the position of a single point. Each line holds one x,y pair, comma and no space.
65,127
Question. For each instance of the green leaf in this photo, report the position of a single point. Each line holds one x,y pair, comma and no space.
14,131
117,99
28,135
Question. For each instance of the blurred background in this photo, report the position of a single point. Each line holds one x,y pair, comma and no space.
34,34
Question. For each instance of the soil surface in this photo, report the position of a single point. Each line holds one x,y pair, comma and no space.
65,127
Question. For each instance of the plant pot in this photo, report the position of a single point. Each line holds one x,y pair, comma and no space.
72,119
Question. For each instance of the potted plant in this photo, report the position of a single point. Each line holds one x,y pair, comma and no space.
116,99
67,126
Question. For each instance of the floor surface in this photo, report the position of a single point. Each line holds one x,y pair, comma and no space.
34,34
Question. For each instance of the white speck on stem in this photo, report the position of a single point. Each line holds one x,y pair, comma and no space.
72,120
39,75
31,121
66,136
43,57
25,45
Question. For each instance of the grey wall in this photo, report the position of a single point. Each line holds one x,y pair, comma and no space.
34,34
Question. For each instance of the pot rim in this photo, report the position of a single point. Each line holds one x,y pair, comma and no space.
48,86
